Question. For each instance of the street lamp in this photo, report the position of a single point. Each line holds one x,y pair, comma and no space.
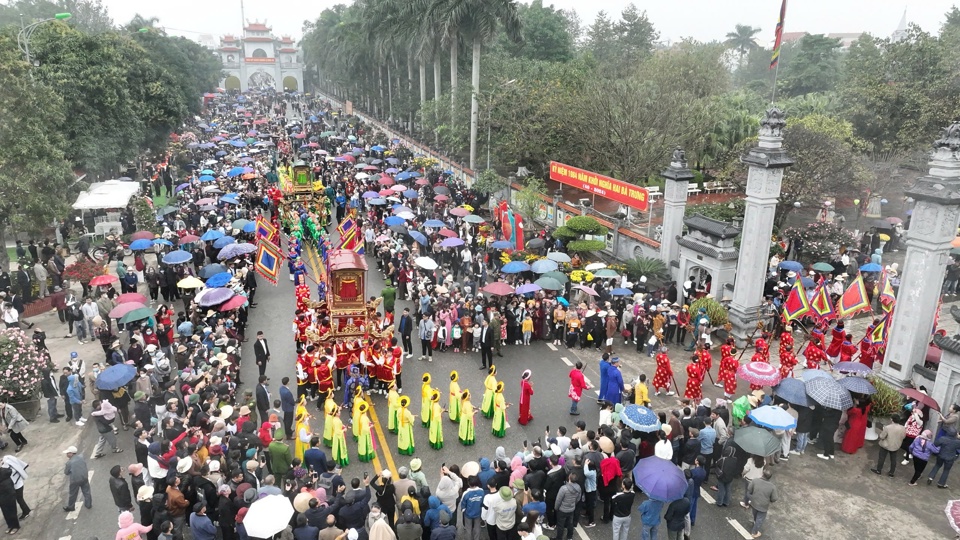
489,110
23,37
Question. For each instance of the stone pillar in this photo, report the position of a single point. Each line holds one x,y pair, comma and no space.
766,161
677,177
932,228
947,385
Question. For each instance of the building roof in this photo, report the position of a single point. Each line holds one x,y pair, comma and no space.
259,39
286,39
228,38
792,36
712,227
229,49
720,254
289,50
257,27
345,259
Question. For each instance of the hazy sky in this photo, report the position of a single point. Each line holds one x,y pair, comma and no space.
701,19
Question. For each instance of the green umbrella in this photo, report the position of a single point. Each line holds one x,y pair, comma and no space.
251,140
239,223
559,276
137,315
756,441
327,133
549,284
823,267
472,218
606,273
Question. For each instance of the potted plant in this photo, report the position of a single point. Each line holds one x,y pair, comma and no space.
885,403
21,370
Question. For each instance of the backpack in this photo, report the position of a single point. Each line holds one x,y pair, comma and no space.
325,481
75,312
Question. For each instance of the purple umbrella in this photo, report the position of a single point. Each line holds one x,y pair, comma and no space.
370,195
212,297
451,242
660,479
528,288
588,290
235,250
852,367
391,170
182,187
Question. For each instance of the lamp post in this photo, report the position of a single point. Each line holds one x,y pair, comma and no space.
489,112
23,37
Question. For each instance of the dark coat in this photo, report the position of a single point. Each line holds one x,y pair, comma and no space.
121,493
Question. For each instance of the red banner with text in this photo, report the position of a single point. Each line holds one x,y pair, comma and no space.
615,190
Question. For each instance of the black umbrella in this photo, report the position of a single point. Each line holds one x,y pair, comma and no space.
399,229
442,190
191,167
536,243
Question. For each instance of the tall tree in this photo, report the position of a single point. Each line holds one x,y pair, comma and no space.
635,36
743,39
86,15
546,34
815,66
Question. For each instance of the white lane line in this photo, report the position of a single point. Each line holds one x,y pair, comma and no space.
739,528
705,495
566,361
552,346
78,504
582,533
65,537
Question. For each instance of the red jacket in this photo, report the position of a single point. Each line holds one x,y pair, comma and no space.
577,381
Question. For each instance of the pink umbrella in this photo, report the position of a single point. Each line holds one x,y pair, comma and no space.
384,181
206,200
498,288
460,212
371,168
104,279
123,309
588,290
386,192
441,198
422,182
189,239
759,373
234,303
448,233
131,297
399,189
953,514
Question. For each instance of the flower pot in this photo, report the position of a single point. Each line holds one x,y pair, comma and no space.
29,409
871,434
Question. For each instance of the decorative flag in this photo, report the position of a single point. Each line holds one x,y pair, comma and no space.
796,305
821,305
887,298
778,40
348,234
265,230
854,299
268,261
879,334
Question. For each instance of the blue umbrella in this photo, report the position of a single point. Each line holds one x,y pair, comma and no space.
377,202
393,220
435,223
162,242
140,245
220,153
219,280
871,267
207,178
857,385
640,418
415,174
451,242
660,479
229,200
177,257
410,194
115,376
543,266
181,187
236,171
808,283
620,291
392,160
193,145
502,244
378,148
791,265
250,227
223,241
212,234
418,236
211,270
515,267
207,171
793,391
772,417
402,176
238,144
811,374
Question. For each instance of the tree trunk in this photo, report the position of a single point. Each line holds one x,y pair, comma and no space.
454,51
410,90
4,254
436,96
423,84
381,104
474,104
389,92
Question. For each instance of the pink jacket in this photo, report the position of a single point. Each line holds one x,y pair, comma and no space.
130,529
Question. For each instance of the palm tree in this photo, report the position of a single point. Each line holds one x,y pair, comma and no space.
742,40
476,21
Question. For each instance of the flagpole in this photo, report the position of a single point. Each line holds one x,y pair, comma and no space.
778,46
776,75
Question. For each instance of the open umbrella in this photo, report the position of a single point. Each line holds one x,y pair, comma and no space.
606,273
132,297
549,283
829,393
235,250
756,441
793,391
515,267
773,417
793,266
857,385
162,242
447,233
234,303
190,282
268,516
871,267
620,291
418,236
559,257
953,514
212,297
393,220
103,279
852,367
451,242
811,374
502,244
115,377
219,280
640,418
136,315
498,288
211,235
660,479
141,245
459,212
528,288
177,257
536,243
593,267
435,223
759,373
210,270
426,263
823,267
223,242
142,235
589,290
474,219
543,266
559,276
920,397
122,309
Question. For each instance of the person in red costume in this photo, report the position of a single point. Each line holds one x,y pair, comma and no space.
664,373
814,354
837,335
706,359
694,390
727,376
857,419
526,392
868,352
788,361
786,338
847,349
760,352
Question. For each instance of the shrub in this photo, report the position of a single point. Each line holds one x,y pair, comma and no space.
21,366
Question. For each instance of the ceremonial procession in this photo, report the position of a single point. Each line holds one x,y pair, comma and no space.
642,276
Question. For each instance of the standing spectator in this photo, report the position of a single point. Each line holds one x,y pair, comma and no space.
120,490
622,508
568,500
177,506
891,438
40,271
425,330
762,494
949,445
676,518
51,392
8,501
18,474
89,311
76,472
15,423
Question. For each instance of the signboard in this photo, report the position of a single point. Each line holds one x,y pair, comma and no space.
252,60
348,107
615,190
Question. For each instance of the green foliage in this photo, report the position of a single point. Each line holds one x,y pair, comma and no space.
546,34
585,246
815,66
565,233
887,401
715,311
585,225
144,216
488,182
622,44
654,269
87,15
719,211
529,198
742,40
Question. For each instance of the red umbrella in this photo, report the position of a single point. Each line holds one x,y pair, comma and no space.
386,192
422,182
189,239
233,303
498,288
142,235
448,233
123,309
300,136
919,396
460,212
759,373
441,198
132,297
371,168
104,279
385,181
349,158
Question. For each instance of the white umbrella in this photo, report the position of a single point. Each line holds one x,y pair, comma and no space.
558,257
406,215
426,263
268,516
361,176
594,266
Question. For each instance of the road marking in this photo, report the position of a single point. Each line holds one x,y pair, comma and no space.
566,361
705,495
76,512
582,533
739,528
384,443
552,346
65,538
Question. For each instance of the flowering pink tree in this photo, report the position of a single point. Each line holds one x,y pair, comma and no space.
21,366
821,240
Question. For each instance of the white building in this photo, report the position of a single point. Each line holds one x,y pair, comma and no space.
260,60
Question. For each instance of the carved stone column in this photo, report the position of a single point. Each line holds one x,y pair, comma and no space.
677,178
767,162
932,228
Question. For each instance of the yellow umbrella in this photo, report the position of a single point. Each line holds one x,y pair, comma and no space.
190,282
467,207
885,237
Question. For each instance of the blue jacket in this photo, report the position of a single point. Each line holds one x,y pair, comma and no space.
614,389
432,517
202,527
287,402
315,459
922,451
604,374
472,503
74,390
650,512
486,473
